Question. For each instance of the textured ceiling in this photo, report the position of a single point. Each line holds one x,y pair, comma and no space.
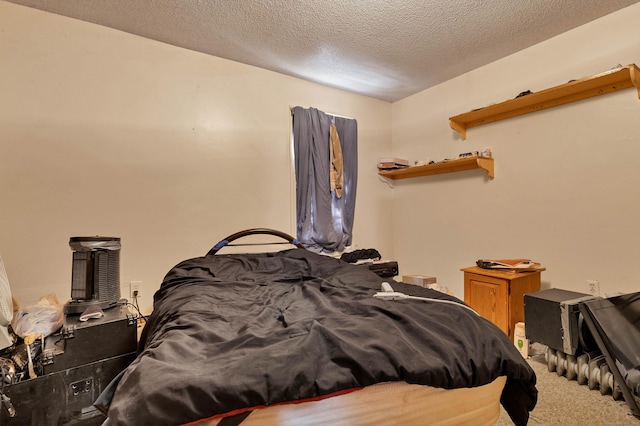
380,48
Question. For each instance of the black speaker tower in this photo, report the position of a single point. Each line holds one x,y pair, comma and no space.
95,277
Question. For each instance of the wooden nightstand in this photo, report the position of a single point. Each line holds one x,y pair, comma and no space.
499,295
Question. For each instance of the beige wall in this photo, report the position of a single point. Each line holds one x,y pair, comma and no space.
566,179
105,133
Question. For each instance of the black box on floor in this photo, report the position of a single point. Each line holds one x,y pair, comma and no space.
82,342
78,363
65,397
552,318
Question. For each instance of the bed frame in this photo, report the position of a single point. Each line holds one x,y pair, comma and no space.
394,402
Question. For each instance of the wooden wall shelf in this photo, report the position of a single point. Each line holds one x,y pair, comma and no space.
606,82
450,166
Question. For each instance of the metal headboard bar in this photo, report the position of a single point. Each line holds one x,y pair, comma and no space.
255,231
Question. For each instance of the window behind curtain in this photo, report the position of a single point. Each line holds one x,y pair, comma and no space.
324,216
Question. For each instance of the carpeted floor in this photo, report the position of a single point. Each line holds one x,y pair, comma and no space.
565,402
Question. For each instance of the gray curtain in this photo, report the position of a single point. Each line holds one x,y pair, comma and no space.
324,220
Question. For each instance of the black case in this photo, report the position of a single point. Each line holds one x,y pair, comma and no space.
552,318
78,363
65,397
82,342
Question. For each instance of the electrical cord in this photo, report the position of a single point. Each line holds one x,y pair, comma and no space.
388,293
135,306
135,301
6,401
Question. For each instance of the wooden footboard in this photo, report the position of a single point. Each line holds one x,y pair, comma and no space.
394,403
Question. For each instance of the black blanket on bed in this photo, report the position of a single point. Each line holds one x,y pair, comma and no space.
230,332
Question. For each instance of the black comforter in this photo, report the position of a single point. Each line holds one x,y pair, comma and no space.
231,332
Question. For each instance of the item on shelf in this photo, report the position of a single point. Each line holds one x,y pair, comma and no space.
388,163
525,93
469,154
423,162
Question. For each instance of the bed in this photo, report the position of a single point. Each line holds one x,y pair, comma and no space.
294,337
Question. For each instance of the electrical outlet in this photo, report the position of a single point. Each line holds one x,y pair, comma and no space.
135,288
593,287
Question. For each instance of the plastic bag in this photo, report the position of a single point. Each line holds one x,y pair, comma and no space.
45,317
